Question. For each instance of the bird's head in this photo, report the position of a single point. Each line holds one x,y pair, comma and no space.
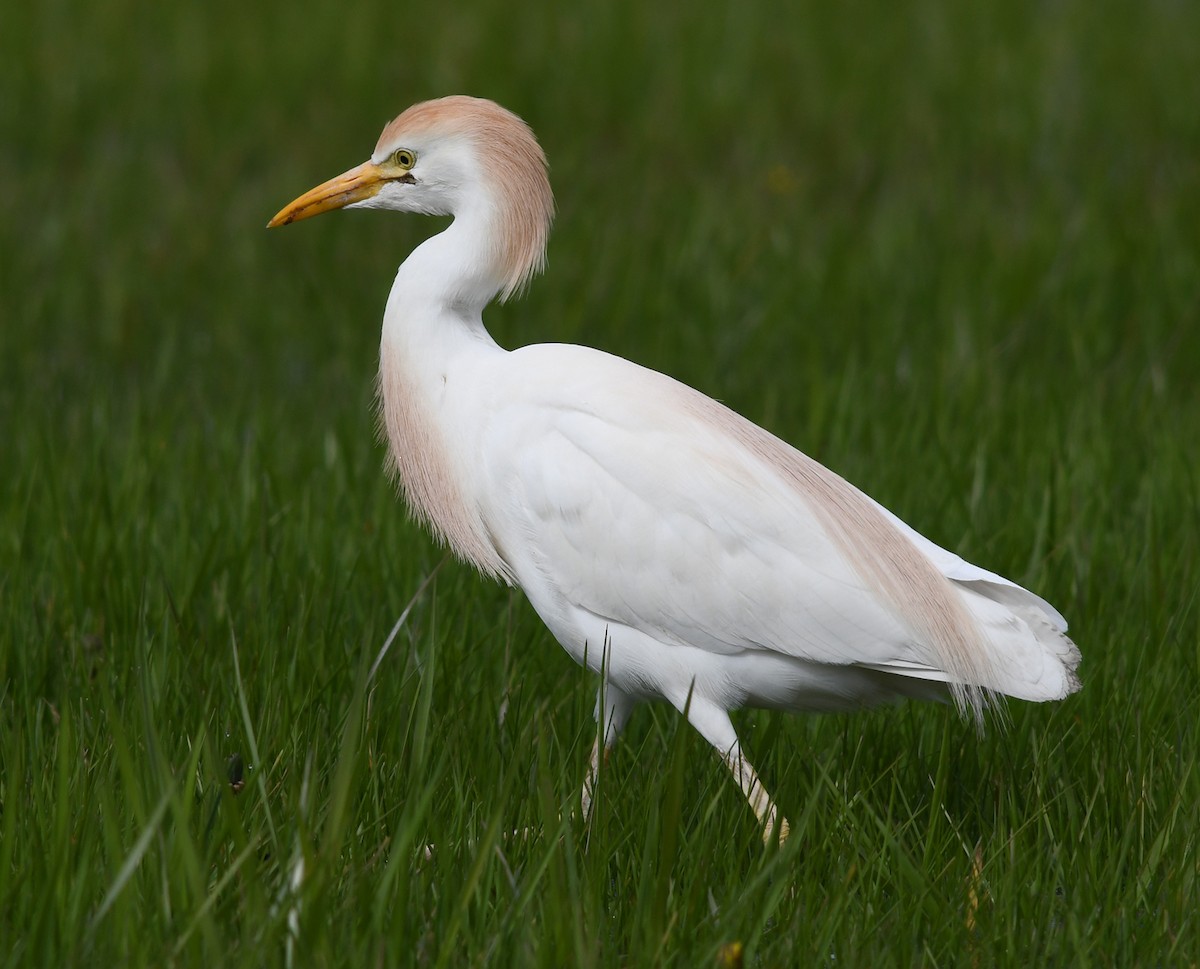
453,156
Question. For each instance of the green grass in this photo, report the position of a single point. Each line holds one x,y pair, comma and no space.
952,253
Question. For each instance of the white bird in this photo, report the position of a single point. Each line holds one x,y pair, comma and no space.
668,543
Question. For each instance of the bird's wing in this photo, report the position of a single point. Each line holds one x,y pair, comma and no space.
978,580
645,503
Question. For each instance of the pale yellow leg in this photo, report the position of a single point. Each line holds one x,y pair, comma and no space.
612,709
714,725
760,801
589,782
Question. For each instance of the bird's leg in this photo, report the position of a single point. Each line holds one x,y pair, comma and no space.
589,782
760,801
612,709
714,725
612,712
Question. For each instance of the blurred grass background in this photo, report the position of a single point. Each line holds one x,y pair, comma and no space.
949,250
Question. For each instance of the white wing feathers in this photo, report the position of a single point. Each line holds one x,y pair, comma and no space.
659,509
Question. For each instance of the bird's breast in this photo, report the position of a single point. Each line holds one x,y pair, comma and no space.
431,472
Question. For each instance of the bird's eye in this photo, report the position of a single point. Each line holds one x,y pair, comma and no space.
403,158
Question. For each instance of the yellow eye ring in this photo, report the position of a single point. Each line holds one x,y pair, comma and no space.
403,158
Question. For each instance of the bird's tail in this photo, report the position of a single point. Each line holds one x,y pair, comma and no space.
1031,656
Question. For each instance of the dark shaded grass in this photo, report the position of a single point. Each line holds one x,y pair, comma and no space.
952,253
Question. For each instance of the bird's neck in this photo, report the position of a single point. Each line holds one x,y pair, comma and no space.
452,275
433,340
434,312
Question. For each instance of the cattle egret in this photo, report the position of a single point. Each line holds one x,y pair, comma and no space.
670,545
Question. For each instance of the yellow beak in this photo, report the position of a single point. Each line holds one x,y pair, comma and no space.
362,182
